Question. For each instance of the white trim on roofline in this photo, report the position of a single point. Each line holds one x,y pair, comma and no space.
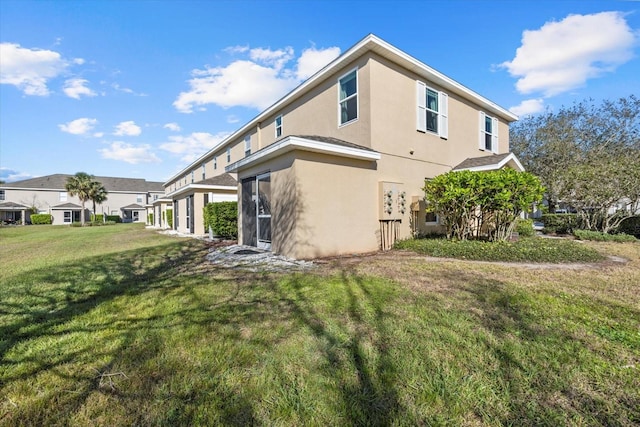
201,187
291,143
510,158
369,43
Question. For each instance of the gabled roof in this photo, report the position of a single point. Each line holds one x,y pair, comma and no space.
316,144
370,43
11,206
111,184
493,162
133,207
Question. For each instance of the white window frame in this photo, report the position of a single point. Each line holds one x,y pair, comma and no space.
193,176
422,108
482,141
63,196
229,155
215,163
66,220
2,195
204,171
247,145
139,198
278,126
436,222
354,95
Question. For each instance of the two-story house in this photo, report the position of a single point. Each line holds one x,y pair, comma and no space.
127,198
338,164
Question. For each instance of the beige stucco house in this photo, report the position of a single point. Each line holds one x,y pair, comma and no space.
127,198
337,165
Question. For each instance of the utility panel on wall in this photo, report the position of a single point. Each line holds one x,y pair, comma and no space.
393,203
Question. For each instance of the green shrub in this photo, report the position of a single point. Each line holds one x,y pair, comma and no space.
170,217
630,226
41,219
97,218
524,228
114,218
222,217
536,249
560,223
150,218
603,237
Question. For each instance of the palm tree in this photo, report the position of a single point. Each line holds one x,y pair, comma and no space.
80,185
97,194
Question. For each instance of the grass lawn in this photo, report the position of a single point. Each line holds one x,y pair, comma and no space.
122,326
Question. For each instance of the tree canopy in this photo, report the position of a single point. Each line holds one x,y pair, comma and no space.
587,156
86,188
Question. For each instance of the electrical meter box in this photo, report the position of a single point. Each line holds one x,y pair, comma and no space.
392,200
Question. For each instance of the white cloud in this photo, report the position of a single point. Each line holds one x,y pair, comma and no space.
129,153
80,126
313,60
232,118
561,56
256,82
172,126
30,69
528,107
75,88
98,134
128,128
10,175
192,146
119,88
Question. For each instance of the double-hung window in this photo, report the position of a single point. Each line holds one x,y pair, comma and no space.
432,110
348,97
247,145
229,155
278,125
63,196
1,194
215,163
488,140
204,172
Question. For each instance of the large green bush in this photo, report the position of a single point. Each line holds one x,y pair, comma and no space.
525,228
41,219
560,223
114,218
222,217
487,204
630,226
97,218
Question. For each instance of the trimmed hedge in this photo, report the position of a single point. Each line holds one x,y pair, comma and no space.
524,228
38,219
150,218
114,218
603,237
560,223
97,218
170,217
222,217
630,226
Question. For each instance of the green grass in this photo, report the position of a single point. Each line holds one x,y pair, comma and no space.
135,329
603,237
532,249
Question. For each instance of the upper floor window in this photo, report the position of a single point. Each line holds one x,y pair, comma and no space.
348,97
278,125
432,110
1,194
193,176
204,172
215,162
247,145
229,155
63,196
139,198
488,133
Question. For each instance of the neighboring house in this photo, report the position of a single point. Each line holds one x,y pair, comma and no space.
127,198
337,165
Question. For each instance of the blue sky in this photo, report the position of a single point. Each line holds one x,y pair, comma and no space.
141,88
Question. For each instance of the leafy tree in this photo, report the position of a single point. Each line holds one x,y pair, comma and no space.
586,156
97,194
475,204
80,185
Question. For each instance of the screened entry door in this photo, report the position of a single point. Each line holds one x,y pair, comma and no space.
256,211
